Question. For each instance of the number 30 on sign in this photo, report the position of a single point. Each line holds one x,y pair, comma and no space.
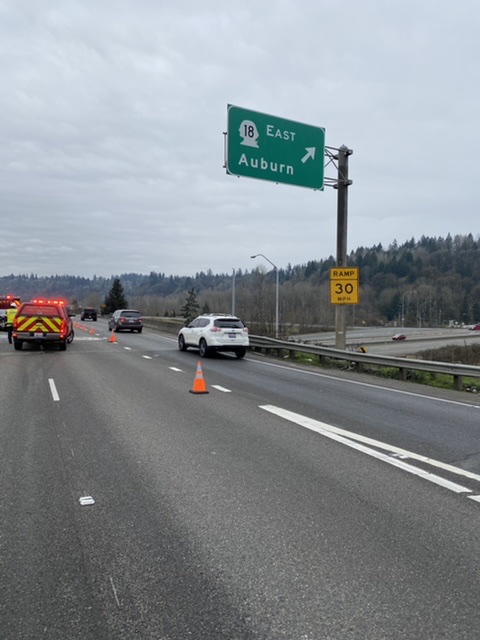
344,285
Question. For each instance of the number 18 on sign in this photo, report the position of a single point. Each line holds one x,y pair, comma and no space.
344,285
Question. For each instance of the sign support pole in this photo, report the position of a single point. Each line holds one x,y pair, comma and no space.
342,216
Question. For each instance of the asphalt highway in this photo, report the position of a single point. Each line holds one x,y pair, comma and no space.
285,503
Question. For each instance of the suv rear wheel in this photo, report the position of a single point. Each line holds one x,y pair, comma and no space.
17,345
203,349
181,343
240,353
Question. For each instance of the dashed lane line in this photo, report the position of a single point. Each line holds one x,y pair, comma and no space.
53,390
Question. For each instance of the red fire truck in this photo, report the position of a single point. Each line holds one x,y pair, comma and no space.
5,303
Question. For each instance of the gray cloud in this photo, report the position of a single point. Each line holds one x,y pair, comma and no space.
113,112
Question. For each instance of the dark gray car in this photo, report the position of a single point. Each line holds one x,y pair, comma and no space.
126,320
89,313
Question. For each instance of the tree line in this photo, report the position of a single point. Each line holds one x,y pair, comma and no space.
428,282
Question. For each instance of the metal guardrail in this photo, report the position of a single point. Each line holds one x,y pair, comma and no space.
458,371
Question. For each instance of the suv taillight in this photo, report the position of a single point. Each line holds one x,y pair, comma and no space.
63,329
215,329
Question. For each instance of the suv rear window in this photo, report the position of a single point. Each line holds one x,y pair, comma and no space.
130,314
39,310
232,323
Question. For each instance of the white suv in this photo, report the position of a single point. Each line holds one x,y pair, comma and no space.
215,332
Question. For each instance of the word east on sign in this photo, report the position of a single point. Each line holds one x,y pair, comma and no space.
271,148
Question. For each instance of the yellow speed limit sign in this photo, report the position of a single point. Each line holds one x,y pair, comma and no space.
344,285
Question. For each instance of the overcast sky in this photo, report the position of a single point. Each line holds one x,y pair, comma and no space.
112,115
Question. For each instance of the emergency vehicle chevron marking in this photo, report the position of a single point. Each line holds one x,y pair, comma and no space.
41,324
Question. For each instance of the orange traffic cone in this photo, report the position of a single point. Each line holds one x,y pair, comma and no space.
112,338
92,330
199,385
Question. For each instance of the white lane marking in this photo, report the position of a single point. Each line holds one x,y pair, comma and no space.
53,390
476,498
127,348
397,451
175,369
364,384
349,439
219,388
147,357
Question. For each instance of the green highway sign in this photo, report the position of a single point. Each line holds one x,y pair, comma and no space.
270,148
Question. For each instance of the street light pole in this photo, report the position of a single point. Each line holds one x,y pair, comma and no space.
403,305
276,289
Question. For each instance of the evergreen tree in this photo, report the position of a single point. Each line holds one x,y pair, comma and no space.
190,309
115,299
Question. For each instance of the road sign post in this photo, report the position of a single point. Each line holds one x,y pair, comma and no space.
270,148
342,184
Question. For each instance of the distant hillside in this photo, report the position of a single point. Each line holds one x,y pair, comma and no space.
430,282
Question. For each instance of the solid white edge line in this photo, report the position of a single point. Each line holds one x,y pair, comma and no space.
53,390
364,384
326,430
299,419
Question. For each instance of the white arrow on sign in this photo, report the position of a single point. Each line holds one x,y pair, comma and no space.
310,154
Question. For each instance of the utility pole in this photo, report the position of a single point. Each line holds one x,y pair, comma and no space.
342,185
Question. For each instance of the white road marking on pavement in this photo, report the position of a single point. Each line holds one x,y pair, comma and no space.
307,422
364,384
147,357
219,388
174,368
53,390
349,439
127,348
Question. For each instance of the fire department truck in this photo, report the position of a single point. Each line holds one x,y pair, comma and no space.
43,322
5,303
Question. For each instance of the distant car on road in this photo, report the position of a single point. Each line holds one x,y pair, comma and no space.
474,327
89,313
126,320
399,336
